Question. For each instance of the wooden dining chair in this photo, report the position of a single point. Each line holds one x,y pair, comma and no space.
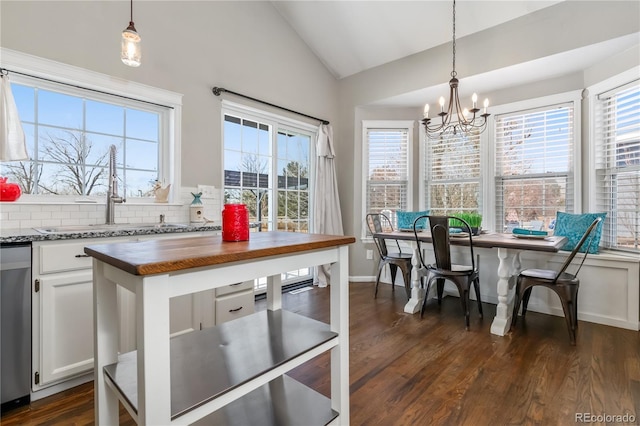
563,283
378,222
464,276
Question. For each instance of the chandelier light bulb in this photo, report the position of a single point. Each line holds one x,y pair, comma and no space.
451,119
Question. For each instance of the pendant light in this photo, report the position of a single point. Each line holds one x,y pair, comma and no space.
131,48
465,120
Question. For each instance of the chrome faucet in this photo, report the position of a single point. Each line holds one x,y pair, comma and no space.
112,192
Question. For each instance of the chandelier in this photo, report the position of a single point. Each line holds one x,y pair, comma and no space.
455,119
131,51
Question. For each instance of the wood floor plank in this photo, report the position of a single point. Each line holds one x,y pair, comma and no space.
405,370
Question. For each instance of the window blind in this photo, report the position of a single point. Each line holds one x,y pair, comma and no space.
388,169
617,141
452,173
534,164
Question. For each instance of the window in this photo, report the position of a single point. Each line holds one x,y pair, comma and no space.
452,178
617,149
534,165
268,164
387,167
72,116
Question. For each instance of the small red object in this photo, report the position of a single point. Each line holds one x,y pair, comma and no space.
9,191
235,222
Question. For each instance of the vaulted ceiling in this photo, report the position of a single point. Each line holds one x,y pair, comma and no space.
353,36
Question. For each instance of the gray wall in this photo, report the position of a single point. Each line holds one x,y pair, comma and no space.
188,47
565,26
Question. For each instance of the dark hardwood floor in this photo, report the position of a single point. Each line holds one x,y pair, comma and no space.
410,371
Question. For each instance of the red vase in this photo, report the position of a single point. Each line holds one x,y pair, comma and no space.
235,222
9,191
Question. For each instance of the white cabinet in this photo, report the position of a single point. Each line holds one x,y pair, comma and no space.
66,335
234,301
61,309
62,300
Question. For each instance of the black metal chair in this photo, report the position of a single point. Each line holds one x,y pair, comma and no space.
463,276
378,222
564,284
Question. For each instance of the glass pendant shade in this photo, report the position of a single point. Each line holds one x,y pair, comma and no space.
131,47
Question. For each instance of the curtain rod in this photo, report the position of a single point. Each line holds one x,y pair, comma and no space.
5,71
218,91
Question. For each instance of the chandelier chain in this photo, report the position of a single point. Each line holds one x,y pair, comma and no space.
453,72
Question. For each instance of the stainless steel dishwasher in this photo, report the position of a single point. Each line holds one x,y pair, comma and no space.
15,325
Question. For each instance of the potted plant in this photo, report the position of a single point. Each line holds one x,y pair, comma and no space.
474,220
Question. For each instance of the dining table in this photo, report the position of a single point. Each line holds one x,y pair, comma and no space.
508,247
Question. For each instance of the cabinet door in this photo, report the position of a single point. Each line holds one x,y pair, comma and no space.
187,313
66,324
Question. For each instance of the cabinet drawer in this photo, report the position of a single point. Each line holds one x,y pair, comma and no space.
234,306
66,256
63,257
234,288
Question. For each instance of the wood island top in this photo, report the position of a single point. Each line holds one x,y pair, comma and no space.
168,255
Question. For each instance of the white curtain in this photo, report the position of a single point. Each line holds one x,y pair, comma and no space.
327,217
12,141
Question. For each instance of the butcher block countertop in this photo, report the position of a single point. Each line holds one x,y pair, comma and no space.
163,256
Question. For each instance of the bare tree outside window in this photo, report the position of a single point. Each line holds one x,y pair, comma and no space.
66,156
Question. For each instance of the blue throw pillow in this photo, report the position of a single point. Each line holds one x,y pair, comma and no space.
406,219
573,226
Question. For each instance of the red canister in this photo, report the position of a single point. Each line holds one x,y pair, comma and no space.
235,222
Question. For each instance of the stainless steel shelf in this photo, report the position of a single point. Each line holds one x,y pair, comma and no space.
213,362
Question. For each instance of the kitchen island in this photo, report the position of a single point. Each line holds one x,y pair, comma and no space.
228,372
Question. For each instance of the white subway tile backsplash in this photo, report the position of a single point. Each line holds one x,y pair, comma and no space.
41,215
10,224
32,215
19,215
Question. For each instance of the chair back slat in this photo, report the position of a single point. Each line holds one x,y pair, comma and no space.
378,222
440,236
588,235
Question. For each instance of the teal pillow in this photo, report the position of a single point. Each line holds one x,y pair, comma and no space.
406,219
573,226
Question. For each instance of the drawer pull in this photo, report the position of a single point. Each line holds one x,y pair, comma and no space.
82,255
235,310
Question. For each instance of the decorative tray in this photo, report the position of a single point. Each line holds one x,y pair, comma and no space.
531,237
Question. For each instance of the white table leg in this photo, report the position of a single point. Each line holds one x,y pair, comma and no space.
274,292
415,303
154,376
502,321
339,300
105,344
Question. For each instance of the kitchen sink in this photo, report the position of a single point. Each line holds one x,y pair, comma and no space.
72,229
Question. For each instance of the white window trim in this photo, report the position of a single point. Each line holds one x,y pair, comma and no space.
170,155
575,96
390,124
276,121
593,91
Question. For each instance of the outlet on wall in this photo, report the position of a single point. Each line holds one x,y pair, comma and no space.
369,254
